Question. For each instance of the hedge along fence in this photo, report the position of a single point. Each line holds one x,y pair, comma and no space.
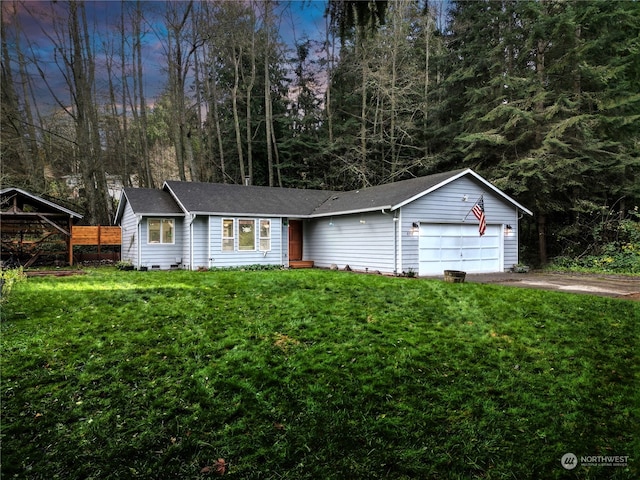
94,236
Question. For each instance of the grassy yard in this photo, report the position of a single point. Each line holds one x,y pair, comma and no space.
313,375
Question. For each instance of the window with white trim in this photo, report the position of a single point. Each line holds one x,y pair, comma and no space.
246,234
228,234
160,230
265,235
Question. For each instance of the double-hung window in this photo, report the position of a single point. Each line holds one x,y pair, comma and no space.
161,230
228,234
265,235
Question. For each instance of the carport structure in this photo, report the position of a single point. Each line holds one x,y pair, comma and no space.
32,226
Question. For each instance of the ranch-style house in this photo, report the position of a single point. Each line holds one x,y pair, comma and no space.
424,225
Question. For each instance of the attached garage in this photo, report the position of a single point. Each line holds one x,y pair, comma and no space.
459,247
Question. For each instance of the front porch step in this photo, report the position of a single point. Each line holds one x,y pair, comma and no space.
301,264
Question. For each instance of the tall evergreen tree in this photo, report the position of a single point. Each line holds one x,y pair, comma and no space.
543,99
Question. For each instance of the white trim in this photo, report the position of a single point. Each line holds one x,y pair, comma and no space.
400,243
162,220
254,249
259,230
233,232
139,262
192,265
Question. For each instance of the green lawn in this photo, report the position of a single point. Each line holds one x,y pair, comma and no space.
313,375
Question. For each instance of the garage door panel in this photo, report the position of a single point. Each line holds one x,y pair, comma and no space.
431,255
469,242
447,254
458,247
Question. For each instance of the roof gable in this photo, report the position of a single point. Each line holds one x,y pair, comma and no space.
461,173
148,201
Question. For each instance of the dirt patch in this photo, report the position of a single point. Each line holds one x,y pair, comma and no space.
603,285
53,273
631,296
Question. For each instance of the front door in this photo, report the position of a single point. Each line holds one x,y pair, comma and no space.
295,240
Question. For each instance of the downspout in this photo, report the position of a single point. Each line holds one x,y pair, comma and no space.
396,227
192,217
139,247
281,241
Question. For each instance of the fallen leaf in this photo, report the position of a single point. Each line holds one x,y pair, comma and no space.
221,466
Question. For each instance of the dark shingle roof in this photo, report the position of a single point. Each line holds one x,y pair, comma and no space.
382,196
217,198
178,198
151,201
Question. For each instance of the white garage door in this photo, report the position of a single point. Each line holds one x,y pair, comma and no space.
459,247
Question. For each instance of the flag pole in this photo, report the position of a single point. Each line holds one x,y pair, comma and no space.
471,209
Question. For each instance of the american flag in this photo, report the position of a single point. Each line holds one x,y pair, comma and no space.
478,211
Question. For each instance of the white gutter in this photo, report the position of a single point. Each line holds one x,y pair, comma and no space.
192,217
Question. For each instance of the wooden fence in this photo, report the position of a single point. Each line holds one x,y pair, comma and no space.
94,236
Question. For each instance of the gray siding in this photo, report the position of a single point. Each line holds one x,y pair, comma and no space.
220,258
185,234
445,205
130,240
200,243
161,255
344,240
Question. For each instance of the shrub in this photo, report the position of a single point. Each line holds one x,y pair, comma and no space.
8,278
614,247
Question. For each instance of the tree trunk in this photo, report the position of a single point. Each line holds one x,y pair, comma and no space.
542,239
267,98
236,117
144,144
330,54
126,180
82,66
252,79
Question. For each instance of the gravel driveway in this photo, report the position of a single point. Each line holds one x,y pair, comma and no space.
603,285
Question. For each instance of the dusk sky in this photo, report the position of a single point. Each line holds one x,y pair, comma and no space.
298,19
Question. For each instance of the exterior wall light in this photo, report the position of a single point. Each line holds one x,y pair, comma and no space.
508,230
